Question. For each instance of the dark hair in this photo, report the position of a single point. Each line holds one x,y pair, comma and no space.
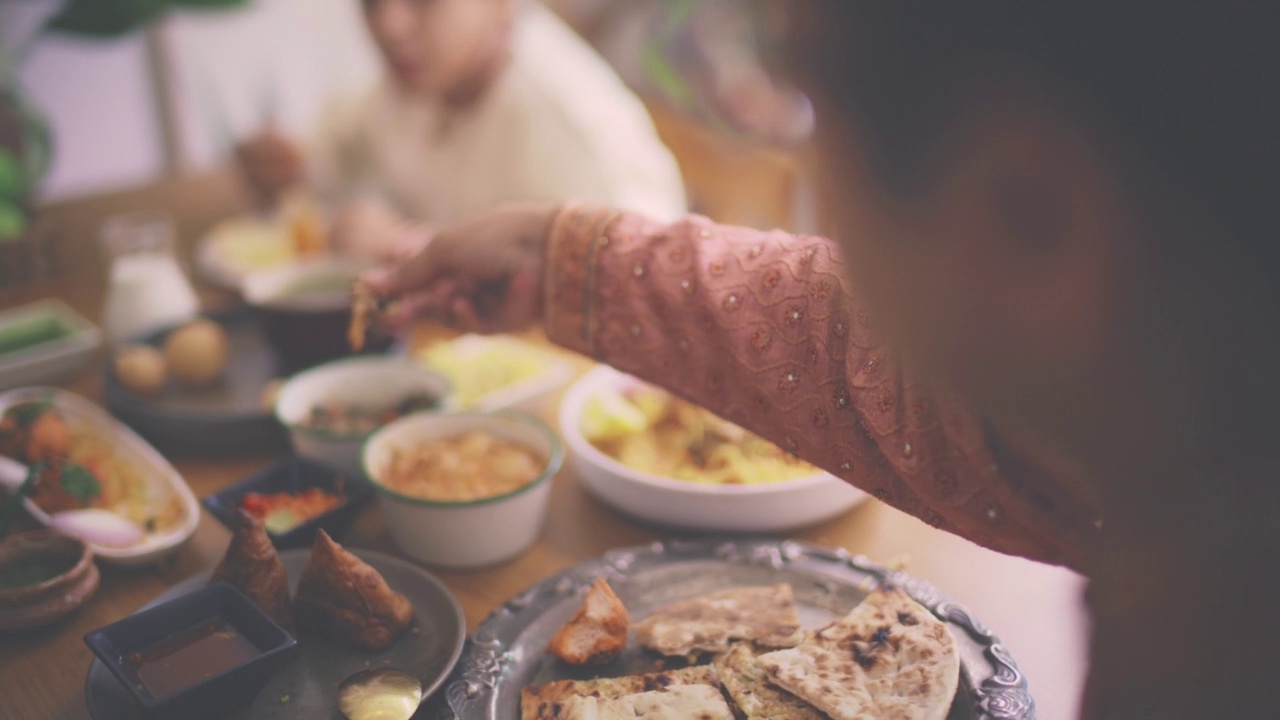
1185,94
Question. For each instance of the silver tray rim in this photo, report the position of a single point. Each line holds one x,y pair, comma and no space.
999,690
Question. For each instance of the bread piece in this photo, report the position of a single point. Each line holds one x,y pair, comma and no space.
548,702
685,702
708,623
889,659
341,597
748,684
597,632
253,565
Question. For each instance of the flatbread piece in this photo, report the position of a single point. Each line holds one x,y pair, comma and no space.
748,684
685,702
889,659
708,623
549,702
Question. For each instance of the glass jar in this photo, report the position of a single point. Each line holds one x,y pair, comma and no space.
146,288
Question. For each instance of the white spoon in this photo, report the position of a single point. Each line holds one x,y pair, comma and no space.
93,525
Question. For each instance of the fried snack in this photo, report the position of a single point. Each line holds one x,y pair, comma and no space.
889,659
253,565
597,632
549,702
343,598
364,308
708,623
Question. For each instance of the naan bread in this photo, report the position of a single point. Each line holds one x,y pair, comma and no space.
342,597
687,702
549,702
253,565
889,659
708,623
597,632
759,699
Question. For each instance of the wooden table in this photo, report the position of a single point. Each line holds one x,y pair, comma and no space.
1035,608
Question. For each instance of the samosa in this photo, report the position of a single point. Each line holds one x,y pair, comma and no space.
343,598
253,565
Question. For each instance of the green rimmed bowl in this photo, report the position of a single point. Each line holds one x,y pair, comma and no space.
468,534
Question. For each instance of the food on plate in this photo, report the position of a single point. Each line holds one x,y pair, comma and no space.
549,701
197,353
283,511
889,659
678,703
341,597
253,565
484,367
354,419
597,632
364,315
765,615
183,659
141,369
304,221
654,432
467,467
78,468
748,684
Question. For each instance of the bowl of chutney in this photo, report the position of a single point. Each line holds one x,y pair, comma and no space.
44,577
202,655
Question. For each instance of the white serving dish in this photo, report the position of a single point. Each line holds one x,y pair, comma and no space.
50,360
465,534
163,481
367,381
530,394
773,507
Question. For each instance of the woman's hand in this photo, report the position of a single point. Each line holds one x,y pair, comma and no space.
482,275
272,164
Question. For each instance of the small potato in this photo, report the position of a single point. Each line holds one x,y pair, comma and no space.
141,369
197,353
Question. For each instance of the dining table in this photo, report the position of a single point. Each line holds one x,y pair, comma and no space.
1036,609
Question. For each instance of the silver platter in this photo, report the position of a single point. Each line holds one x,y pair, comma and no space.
508,650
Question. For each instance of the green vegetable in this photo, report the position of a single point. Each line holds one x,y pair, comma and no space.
13,222
28,412
80,483
11,184
32,332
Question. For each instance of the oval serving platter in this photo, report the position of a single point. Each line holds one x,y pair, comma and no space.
163,484
508,650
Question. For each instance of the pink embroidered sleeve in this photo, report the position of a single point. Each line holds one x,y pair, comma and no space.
761,328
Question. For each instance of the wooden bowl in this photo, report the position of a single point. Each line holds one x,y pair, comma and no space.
72,579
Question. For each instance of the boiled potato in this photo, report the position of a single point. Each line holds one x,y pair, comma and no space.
141,369
197,353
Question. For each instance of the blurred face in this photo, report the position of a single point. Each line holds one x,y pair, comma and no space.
438,48
1007,277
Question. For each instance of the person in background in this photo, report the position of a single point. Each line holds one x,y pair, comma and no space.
484,102
1048,324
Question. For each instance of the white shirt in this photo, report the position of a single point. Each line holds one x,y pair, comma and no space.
557,125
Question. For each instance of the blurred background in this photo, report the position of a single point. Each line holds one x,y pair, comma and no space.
129,106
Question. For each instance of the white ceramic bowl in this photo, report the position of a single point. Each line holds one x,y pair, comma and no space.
367,381
465,534
162,483
773,507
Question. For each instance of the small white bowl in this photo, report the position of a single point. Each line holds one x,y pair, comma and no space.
367,381
470,534
772,507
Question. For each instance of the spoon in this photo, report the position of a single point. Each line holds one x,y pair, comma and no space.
380,694
93,525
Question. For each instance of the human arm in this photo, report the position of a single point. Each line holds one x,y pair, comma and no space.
758,327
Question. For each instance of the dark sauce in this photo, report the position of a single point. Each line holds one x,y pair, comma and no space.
34,569
190,656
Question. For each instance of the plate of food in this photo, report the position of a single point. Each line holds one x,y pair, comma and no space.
661,459
43,341
351,610
760,629
86,460
240,246
202,387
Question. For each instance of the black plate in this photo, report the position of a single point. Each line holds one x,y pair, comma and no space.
292,475
226,419
306,689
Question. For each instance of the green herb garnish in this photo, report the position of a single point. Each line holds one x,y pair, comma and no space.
79,483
